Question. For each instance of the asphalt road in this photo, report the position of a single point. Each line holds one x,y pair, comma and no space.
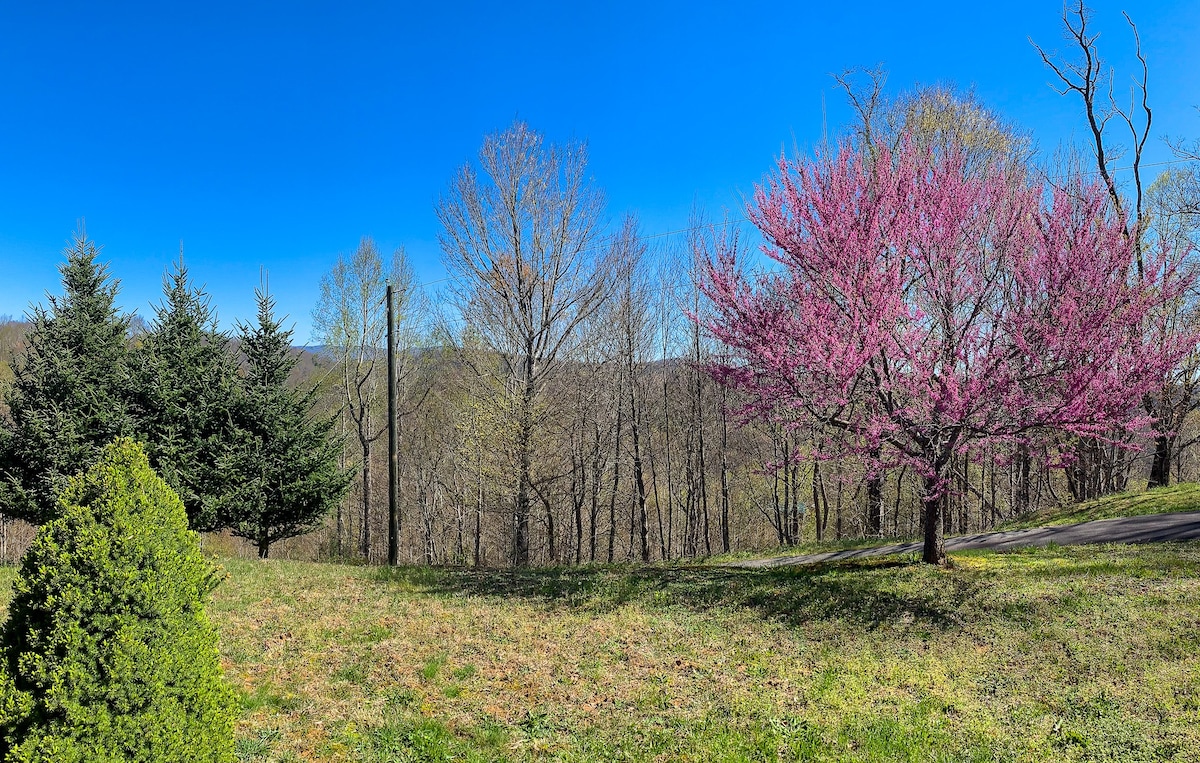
1152,528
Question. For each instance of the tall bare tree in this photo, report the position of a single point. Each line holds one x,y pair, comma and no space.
350,322
1088,77
520,235
634,317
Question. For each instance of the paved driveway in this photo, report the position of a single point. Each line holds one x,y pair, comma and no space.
1152,528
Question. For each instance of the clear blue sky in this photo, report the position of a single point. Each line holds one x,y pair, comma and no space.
277,134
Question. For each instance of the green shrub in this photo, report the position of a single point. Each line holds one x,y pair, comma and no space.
107,654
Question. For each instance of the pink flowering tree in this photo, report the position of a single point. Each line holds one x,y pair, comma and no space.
922,309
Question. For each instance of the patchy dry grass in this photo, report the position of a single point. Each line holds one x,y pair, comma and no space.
1162,500
1077,654
808,546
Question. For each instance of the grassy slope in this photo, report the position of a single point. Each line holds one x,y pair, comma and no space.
1086,653
1176,498
1163,500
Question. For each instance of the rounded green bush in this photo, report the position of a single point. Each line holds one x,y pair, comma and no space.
107,654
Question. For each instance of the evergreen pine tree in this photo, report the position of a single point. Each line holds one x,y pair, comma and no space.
184,380
283,465
107,655
68,398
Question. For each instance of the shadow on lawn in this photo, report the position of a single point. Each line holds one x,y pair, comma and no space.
870,593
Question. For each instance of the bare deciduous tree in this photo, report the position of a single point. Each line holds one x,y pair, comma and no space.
520,234
1087,78
350,322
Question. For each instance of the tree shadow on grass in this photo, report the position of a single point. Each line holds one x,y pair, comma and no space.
867,593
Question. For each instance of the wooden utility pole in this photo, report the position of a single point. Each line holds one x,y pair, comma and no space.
393,509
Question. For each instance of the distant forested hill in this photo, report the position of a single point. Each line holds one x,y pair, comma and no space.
12,338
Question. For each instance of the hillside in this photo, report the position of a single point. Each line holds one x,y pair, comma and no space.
1174,498
1086,653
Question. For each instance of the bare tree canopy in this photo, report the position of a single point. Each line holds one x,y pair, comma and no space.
521,239
350,323
937,117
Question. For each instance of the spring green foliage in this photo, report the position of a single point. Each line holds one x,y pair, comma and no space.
107,654
283,464
185,378
68,398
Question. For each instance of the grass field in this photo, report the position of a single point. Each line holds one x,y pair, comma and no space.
1181,497
1087,653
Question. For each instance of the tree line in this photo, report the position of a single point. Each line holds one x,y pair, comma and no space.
585,393
583,402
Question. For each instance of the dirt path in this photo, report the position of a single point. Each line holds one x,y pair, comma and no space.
1152,528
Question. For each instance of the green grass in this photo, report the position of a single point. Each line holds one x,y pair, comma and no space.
1163,500
803,548
1072,654
1087,653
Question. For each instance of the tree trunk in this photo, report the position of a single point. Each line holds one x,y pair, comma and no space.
724,473
578,495
934,551
875,506
1021,478
426,522
341,511
524,477
995,518
1160,467
478,500
521,510
393,439
838,510
947,507
701,470
963,503
777,504
670,475
701,524
552,549
818,489
594,513
794,480
662,541
364,543
639,480
616,484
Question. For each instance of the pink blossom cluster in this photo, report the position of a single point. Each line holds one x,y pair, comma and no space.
922,308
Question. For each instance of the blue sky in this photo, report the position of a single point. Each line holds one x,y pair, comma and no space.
277,134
